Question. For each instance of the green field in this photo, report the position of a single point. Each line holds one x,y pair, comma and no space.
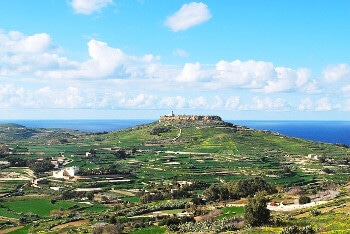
41,207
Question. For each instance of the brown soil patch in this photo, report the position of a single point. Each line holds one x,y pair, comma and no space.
8,230
123,192
73,224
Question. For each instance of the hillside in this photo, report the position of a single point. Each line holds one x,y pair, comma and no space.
232,150
14,132
128,174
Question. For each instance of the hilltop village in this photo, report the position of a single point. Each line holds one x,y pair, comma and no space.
180,174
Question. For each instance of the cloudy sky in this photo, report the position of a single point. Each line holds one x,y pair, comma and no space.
118,59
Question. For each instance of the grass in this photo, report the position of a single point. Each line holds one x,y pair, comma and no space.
153,230
5,213
232,211
23,230
41,207
135,199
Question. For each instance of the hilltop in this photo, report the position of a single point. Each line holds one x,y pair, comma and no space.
196,118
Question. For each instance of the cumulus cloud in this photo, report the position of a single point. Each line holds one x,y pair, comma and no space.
170,102
16,42
191,72
142,100
232,103
250,74
336,72
260,76
113,79
189,15
104,59
36,55
266,103
24,54
88,7
198,102
323,104
46,97
287,79
306,104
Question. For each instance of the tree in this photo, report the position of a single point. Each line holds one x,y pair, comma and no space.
248,187
216,192
120,154
256,212
304,200
41,166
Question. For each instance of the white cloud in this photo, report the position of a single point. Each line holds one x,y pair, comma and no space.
142,100
180,53
88,7
199,102
171,102
323,104
16,42
104,60
306,104
265,104
188,16
112,79
260,76
232,103
336,72
190,73
346,90
13,96
311,87
21,54
347,105
287,79
250,74
217,102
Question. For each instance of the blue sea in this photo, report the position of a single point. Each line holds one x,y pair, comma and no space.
335,132
323,131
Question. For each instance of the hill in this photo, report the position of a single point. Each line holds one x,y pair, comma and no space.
147,173
14,132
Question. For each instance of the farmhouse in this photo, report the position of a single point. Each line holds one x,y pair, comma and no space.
66,173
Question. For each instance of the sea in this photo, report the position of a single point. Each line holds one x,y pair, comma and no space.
333,132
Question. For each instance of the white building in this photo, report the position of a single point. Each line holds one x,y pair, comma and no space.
68,172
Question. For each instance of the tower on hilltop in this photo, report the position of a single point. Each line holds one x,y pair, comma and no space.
171,114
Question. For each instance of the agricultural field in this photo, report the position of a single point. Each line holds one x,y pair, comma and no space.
169,176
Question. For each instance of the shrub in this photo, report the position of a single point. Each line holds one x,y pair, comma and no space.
298,230
315,212
256,212
304,200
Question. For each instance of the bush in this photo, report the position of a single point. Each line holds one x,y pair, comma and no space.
256,212
304,200
298,230
315,212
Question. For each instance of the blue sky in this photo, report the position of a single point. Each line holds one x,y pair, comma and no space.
117,59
